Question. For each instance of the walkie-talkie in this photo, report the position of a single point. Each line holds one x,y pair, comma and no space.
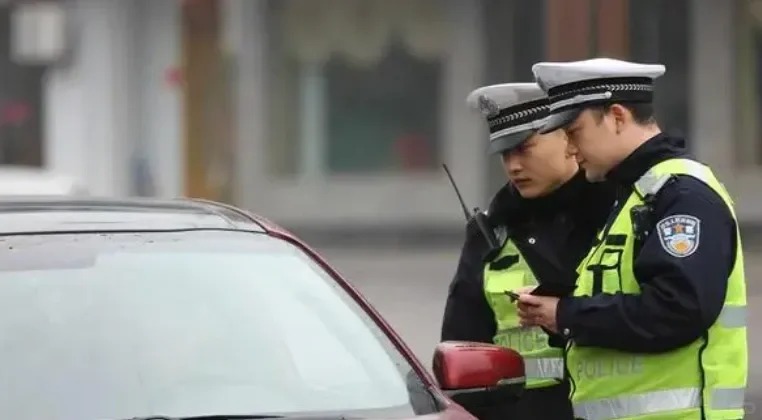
479,217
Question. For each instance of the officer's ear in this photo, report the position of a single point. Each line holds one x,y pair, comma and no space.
620,115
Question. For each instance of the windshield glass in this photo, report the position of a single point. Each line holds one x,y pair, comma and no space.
194,323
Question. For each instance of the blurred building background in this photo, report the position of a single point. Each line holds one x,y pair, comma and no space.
338,113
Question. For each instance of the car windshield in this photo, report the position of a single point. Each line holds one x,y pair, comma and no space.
186,324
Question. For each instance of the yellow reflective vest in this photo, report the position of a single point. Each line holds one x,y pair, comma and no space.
705,379
543,363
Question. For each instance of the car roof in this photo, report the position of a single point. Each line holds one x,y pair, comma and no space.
66,214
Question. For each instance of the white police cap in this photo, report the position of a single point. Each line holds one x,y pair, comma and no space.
573,86
514,111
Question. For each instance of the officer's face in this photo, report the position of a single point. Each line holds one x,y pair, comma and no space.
540,164
593,134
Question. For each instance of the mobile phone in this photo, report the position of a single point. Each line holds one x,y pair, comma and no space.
546,290
512,295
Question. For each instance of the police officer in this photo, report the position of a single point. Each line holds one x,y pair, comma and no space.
543,222
656,325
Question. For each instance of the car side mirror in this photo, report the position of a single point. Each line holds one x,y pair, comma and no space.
477,375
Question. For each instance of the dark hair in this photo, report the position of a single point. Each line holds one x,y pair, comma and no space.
642,113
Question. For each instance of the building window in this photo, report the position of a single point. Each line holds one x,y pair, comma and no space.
355,86
748,141
21,104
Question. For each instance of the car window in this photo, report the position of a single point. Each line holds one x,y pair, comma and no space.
186,324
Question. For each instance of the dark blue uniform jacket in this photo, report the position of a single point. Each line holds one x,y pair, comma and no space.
681,296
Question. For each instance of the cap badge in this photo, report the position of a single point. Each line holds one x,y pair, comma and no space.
488,107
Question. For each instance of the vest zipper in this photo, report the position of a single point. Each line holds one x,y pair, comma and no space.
612,217
703,347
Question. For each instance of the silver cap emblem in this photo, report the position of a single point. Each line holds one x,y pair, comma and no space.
488,107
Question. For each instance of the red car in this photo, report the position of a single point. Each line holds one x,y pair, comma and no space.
189,309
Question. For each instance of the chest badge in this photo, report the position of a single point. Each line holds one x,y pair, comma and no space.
679,234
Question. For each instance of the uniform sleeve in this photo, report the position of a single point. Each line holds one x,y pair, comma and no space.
467,315
682,292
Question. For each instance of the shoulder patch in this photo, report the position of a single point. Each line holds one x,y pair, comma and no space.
679,234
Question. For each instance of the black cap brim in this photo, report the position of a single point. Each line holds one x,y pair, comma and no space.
507,142
559,120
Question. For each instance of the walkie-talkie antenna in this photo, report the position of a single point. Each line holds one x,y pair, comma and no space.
479,217
457,191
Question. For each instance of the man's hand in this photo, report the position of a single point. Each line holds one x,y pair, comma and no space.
538,311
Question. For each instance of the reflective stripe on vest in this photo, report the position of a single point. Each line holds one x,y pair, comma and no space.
657,402
544,365
732,316
611,384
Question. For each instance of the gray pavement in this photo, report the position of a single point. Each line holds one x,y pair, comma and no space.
409,286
